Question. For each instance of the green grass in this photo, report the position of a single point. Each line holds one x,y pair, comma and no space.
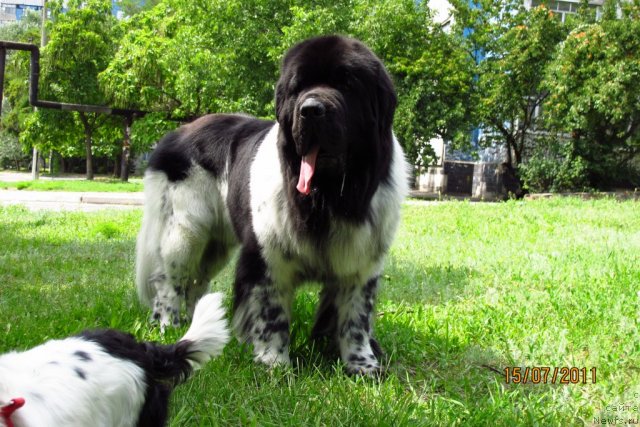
99,185
468,290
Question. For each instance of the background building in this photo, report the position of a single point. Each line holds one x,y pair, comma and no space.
12,11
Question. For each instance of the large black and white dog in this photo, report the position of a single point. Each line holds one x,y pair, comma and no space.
105,378
314,196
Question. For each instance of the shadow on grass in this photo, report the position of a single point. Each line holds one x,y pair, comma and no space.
412,282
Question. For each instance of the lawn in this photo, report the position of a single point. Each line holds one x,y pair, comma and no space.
469,290
76,185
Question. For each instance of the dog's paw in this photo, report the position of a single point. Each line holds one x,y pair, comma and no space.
272,358
363,366
165,320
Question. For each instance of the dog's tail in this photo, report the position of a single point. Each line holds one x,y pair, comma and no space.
148,261
205,339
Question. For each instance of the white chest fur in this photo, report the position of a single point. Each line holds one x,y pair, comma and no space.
352,253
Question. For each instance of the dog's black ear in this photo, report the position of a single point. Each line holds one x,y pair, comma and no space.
280,97
385,102
285,105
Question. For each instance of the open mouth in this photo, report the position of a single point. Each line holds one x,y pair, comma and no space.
328,161
315,160
307,169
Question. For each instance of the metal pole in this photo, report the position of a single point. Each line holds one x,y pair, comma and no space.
3,57
35,167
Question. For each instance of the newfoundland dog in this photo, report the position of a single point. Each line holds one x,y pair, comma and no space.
314,196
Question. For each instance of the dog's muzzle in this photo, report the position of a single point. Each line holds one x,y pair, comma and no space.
312,109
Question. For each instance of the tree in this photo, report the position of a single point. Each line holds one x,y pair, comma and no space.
189,58
132,7
595,93
80,46
512,46
11,153
432,73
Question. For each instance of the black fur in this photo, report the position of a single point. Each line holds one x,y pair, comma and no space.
165,366
170,158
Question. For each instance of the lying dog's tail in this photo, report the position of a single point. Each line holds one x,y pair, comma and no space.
208,333
205,339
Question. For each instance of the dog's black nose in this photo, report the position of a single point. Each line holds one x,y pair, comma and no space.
312,108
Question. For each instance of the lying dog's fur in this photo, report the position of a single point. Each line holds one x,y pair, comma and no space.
104,377
314,196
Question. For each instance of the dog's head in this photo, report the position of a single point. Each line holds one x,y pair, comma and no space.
335,104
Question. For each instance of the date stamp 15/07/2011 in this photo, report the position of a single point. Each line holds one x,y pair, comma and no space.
549,375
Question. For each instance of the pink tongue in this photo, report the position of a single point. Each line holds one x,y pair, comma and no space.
307,167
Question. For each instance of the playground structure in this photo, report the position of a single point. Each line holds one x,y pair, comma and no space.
34,74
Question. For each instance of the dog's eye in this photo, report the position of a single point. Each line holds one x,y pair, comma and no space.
344,77
294,84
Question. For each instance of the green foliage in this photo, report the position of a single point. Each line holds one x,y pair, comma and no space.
140,74
64,133
53,129
517,46
493,70
189,58
148,130
11,153
132,7
594,84
432,72
553,167
16,108
81,44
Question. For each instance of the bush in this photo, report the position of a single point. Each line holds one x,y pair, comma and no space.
553,166
11,154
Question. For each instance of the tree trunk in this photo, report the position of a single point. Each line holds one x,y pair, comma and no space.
509,157
518,153
126,149
87,145
116,166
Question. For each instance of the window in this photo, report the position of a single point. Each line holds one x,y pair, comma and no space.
561,8
9,9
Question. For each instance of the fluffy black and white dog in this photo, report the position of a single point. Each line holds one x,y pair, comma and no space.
314,196
106,378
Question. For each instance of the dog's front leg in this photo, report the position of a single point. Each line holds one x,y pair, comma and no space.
358,348
261,310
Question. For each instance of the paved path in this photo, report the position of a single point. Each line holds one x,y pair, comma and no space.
11,176
92,201
63,200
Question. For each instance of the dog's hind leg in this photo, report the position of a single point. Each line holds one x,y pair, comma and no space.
166,303
214,257
179,247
